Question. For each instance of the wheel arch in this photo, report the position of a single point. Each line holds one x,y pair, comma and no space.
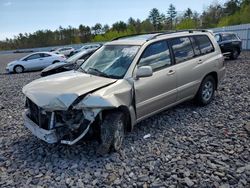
215,76
55,61
17,66
125,110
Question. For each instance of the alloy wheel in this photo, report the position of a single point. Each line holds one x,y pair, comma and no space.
207,91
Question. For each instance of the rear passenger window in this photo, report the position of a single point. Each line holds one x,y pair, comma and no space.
204,44
182,48
157,55
196,47
45,55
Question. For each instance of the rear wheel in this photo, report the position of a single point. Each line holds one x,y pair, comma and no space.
18,69
234,54
112,132
206,91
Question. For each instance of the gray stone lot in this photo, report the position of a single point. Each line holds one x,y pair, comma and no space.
190,146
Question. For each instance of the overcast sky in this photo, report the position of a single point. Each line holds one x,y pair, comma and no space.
19,16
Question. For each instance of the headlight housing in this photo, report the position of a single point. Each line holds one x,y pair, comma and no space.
10,64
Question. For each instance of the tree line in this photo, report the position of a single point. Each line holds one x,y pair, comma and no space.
232,12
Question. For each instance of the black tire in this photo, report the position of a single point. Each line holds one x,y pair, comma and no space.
18,69
234,54
206,91
112,132
55,62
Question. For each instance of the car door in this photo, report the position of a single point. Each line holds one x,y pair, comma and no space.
158,91
32,62
191,63
46,60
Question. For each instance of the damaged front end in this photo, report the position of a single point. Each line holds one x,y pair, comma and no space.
66,127
68,117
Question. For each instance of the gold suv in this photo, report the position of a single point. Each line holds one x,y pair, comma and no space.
122,83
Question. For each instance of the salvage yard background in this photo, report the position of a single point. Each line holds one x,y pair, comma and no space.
189,145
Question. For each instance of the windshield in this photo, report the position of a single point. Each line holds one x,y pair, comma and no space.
110,61
217,38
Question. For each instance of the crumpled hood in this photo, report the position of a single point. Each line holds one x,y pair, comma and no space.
59,91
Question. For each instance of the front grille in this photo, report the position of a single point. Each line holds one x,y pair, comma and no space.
38,115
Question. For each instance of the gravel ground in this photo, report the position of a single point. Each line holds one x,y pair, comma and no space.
190,146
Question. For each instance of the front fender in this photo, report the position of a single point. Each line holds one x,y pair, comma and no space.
119,94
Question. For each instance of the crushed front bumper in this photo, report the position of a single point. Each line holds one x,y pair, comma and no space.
48,136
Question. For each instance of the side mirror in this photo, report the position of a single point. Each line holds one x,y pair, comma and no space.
144,71
80,62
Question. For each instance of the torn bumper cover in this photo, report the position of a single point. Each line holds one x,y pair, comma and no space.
48,136
60,134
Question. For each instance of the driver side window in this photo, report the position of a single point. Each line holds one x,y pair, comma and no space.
156,55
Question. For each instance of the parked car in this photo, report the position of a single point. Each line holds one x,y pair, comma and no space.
34,61
71,63
88,47
229,43
67,51
122,83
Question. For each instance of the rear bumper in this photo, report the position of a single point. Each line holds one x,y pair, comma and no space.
221,74
48,136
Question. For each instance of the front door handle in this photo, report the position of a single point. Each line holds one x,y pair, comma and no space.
171,72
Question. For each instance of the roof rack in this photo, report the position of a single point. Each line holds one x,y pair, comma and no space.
179,31
159,33
132,35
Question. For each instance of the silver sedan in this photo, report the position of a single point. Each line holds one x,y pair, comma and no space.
34,61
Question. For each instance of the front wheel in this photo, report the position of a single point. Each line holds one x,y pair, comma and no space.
112,132
234,54
18,69
206,91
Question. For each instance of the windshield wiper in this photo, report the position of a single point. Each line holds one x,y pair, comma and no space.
99,73
82,70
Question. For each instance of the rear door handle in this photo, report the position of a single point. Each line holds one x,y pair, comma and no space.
200,61
171,72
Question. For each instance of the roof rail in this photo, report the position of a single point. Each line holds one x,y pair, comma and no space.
132,35
179,31
159,33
